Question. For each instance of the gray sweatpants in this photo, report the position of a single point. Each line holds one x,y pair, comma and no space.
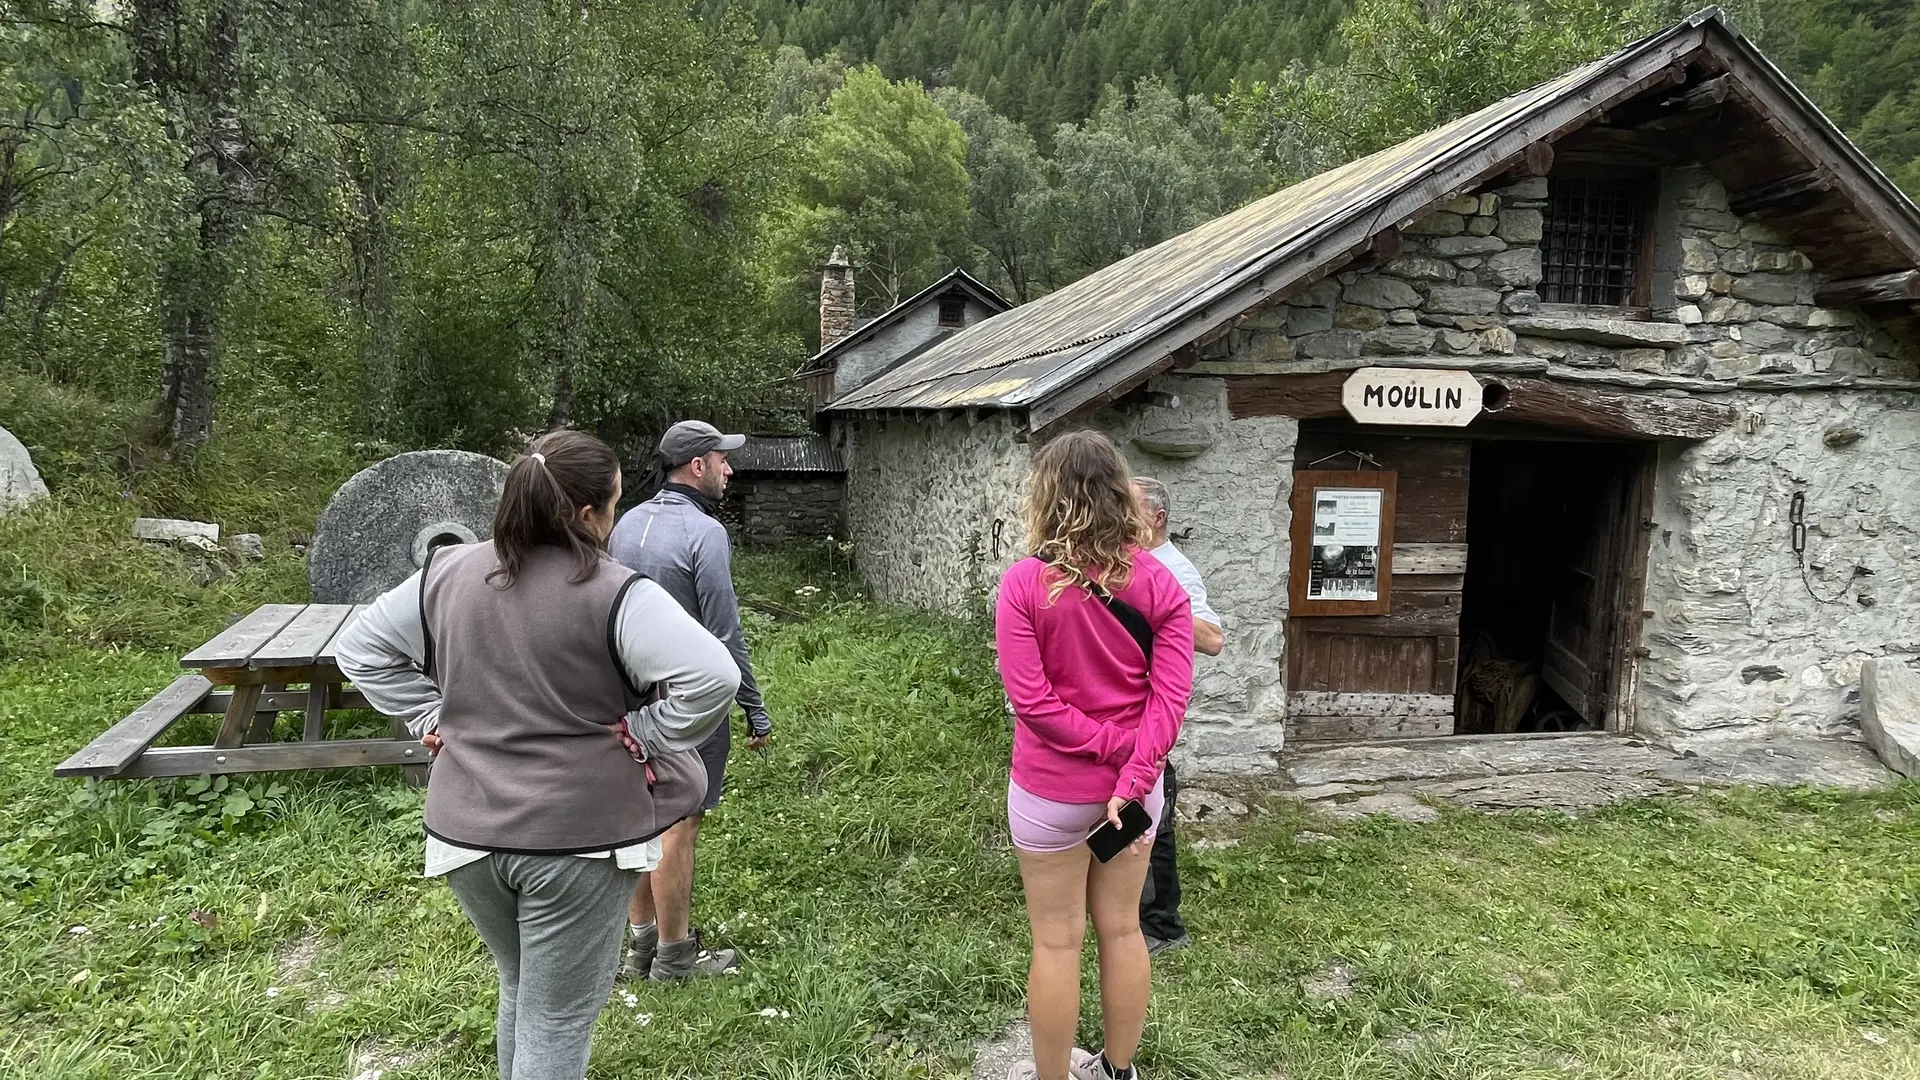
553,924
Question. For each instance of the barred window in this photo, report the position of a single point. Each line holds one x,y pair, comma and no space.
1591,250
953,311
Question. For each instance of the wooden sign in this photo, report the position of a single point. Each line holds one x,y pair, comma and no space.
1342,540
1411,397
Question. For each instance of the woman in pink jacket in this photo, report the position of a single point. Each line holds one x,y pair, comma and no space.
1096,709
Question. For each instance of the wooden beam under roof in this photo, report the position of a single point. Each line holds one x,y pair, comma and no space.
1900,287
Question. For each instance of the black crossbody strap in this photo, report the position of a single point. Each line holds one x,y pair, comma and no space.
1130,618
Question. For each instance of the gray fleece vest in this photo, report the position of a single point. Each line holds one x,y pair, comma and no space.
531,687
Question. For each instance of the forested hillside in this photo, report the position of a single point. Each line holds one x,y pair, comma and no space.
1045,62
438,224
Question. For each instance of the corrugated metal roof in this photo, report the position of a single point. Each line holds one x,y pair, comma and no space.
786,453
1017,359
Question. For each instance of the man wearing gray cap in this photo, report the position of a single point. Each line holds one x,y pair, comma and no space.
677,542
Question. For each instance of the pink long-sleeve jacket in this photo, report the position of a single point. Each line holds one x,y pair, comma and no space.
1090,721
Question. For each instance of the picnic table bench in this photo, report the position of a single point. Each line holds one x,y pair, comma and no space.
279,658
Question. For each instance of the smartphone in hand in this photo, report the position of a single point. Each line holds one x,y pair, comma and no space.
1107,841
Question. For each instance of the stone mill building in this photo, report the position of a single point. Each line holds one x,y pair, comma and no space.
1595,409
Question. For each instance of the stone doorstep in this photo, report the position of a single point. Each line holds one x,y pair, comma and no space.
1566,772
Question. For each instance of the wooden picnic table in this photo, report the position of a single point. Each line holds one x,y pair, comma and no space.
278,659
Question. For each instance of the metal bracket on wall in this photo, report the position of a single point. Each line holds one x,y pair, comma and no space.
1362,459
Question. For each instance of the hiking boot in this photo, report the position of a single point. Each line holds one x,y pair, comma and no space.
642,946
1085,1066
678,961
1156,946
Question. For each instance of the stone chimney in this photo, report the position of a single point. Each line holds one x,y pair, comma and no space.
836,299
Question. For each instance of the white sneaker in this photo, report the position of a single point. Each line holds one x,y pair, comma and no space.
1023,1070
1087,1066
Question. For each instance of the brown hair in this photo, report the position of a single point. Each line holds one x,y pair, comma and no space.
561,472
1083,518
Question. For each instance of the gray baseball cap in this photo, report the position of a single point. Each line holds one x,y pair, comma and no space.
689,439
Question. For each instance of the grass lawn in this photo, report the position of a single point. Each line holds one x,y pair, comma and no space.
277,926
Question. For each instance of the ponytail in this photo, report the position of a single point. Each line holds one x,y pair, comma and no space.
561,472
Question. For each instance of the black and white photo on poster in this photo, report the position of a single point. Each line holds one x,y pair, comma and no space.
1346,544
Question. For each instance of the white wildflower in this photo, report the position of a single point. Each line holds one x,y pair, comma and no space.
80,976
643,1019
78,931
772,1013
273,991
1874,1037
629,999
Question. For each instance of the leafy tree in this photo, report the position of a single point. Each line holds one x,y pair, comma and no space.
1007,193
884,172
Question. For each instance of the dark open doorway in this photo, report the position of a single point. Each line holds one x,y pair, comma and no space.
1552,556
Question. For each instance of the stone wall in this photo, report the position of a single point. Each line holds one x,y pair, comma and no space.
1233,497
923,502
1731,300
778,508
1735,639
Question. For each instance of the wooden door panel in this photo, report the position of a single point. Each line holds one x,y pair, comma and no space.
1392,675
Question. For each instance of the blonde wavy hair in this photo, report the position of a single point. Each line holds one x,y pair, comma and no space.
1083,516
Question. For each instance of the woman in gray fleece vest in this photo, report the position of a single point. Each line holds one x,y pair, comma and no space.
523,663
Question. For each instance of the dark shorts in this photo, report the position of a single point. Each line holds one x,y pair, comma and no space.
714,752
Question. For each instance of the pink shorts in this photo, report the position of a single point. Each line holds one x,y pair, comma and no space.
1046,826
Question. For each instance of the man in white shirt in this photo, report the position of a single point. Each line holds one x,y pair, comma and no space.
1160,902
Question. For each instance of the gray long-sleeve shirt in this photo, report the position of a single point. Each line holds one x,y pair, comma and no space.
684,550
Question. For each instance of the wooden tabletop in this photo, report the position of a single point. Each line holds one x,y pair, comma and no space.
277,636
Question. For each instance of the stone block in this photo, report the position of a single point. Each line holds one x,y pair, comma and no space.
1400,341
1489,205
1271,317
1771,289
1630,333
1403,317
1263,347
1469,262
1820,318
1439,223
1322,293
1458,343
246,546
1709,221
1381,291
1450,246
20,481
1476,323
1688,315
1420,268
172,530
1734,366
1763,337
1465,206
1519,267
1698,256
1650,360
1534,188
1309,320
1332,345
1521,226
1755,232
1721,310
1498,340
1737,261
1720,282
1460,300
1481,226
1774,262
1725,239
1848,361
1890,713
1523,302
1692,287
1356,317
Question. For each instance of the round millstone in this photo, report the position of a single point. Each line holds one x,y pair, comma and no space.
378,528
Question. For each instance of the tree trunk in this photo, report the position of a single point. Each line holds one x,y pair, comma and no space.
205,115
572,266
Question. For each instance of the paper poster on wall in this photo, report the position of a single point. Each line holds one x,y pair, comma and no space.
1345,563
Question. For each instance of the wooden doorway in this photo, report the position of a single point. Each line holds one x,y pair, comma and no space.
1517,574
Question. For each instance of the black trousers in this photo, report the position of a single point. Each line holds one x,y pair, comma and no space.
1160,900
